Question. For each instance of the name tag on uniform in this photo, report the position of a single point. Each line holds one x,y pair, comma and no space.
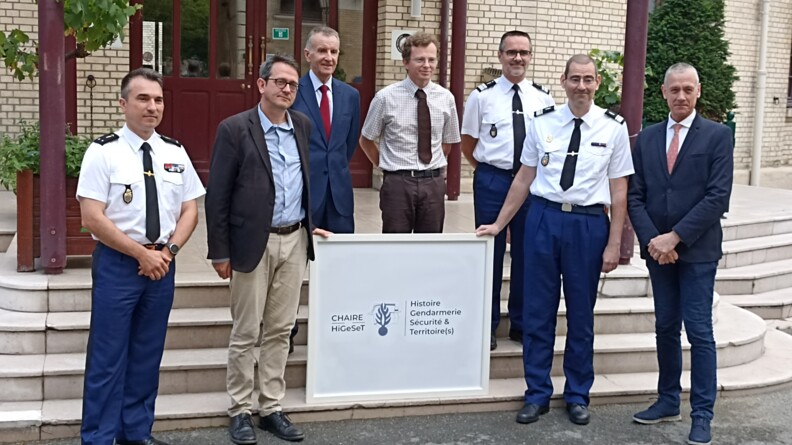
174,168
599,144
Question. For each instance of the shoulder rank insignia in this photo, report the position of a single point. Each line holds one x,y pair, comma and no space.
540,88
110,137
544,110
171,141
486,86
614,116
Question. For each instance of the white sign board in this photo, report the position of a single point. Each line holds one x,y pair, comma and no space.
399,316
397,41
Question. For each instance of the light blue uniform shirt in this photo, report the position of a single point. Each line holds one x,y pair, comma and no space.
286,171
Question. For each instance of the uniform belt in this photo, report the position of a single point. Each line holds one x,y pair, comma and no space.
595,209
152,246
416,173
483,166
285,230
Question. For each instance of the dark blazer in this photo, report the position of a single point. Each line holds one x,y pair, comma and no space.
330,158
691,200
240,196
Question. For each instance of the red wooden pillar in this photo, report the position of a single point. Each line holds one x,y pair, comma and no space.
52,115
458,36
633,92
71,87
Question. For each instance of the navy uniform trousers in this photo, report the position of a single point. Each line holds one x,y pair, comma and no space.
559,244
129,317
490,187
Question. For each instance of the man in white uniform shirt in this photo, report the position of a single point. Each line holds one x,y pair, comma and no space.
576,161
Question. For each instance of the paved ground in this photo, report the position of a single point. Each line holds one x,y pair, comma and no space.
750,420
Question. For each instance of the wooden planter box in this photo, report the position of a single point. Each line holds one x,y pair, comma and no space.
78,242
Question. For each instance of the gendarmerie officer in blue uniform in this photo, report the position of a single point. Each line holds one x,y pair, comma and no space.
576,162
493,133
137,195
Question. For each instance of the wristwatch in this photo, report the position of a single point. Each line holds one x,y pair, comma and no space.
173,248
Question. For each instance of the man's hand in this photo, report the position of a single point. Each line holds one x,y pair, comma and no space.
488,229
663,244
610,258
322,232
223,269
153,265
669,258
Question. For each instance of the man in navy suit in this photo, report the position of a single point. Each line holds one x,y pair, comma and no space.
334,109
681,187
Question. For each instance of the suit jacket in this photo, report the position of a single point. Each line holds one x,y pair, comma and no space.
240,196
330,158
691,200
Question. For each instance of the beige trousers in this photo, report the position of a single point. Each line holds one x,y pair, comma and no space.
264,303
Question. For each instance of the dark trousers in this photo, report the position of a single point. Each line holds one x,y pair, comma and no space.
129,318
683,293
326,216
412,205
570,245
490,187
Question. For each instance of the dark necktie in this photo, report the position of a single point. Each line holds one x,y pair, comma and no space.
324,110
518,124
568,173
424,128
152,206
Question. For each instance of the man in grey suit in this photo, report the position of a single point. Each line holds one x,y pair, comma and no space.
259,233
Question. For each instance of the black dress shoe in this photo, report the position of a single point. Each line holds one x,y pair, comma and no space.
241,429
530,413
493,342
516,336
280,425
578,414
149,441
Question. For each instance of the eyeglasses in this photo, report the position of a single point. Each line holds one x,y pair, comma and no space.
587,81
423,60
281,83
512,53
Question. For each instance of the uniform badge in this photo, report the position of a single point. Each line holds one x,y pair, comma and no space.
127,194
549,138
545,159
174,168
493,131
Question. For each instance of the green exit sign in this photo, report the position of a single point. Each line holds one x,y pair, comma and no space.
280,33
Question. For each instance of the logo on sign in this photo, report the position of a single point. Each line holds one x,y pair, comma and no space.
383,315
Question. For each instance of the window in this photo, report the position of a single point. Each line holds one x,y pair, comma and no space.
311,9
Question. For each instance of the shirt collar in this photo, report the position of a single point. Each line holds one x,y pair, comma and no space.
318,83
505,84
412,87
593,113
686,122
267,125
136,141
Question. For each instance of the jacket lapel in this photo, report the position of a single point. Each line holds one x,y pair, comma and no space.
690,139
660,148
309,99
257,133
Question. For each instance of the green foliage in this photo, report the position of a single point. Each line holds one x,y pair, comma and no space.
93,23
22,153
690,31
610,65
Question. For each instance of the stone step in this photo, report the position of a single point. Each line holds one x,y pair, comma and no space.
734,229
754,278
775,304
626,281
758,250
52,419
739,339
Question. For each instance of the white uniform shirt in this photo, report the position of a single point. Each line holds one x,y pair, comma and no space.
493,107
686,123
393,121
604,154
107,170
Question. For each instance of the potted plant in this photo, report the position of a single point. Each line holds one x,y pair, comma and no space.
19,170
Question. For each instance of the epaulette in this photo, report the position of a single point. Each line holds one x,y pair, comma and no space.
486,86
170,141
544,110
540,88
109,137
614,116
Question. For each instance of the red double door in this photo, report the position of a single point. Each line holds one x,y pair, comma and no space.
209,52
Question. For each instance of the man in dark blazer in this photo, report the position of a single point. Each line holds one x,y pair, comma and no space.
681,187
259,233
334,109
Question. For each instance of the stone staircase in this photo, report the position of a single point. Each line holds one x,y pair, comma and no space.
44,327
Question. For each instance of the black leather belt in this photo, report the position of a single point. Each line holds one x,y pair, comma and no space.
285,230
152,246
416,173
595,209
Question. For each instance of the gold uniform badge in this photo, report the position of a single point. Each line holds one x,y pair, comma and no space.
127,194
545,159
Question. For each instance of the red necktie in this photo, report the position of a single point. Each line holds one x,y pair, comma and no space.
324,110
673,148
